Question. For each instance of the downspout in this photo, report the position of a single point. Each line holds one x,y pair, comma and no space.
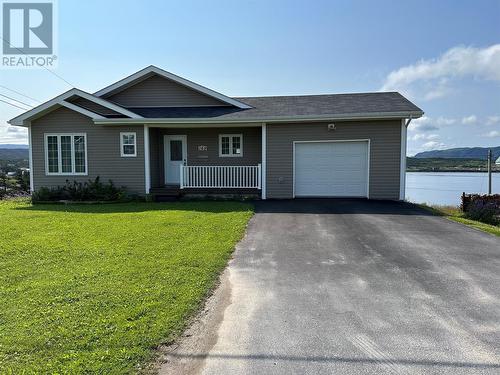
402,167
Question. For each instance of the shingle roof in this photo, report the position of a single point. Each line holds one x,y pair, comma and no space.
291,106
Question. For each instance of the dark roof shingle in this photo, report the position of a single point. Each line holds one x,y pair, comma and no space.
291,106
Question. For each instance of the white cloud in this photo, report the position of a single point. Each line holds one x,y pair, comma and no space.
492,120
493,134
426,123
433,145
472,119
444,121
430,79
422,136
13,134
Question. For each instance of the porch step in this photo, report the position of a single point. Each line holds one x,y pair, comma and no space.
165,193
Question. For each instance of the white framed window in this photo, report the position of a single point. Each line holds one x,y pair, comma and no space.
128,144
230,145
66,154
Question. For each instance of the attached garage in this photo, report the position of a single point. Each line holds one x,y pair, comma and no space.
331,168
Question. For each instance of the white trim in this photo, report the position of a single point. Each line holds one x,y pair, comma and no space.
30,157
176,106
166,155
230,155
147,171
61,100
182,81
335,141
122,154
81,110
108,104
194,126
59,157
319,118
402,166
264,162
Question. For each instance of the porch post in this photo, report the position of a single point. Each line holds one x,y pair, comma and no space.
264,161
147,171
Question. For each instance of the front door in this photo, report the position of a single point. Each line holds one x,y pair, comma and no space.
175,155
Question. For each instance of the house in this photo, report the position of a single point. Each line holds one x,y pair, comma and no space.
156,132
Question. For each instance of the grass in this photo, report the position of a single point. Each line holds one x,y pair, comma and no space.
455,214
96,288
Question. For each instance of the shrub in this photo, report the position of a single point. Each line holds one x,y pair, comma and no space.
91,190
484,208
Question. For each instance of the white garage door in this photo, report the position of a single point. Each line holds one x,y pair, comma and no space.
331,169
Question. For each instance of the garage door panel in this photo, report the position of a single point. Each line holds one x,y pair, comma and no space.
331,169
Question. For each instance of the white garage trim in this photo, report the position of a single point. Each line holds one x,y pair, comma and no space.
336,141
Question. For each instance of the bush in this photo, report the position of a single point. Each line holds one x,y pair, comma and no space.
484,208
91,190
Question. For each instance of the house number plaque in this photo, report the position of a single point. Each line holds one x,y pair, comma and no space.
202,148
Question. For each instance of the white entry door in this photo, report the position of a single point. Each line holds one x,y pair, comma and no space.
331,169
175,147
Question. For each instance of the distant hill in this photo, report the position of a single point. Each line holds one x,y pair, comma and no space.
11,146
448,165
13,154
460,153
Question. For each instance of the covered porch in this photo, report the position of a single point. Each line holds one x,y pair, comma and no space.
220,160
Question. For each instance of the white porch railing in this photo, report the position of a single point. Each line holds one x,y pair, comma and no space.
221,177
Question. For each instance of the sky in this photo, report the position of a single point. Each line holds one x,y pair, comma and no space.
443,55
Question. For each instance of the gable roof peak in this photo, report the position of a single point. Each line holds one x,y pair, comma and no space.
145,72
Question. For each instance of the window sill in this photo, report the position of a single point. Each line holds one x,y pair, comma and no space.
66,174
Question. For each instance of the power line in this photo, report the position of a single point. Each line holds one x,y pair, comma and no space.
19,93
47,69
24,109
23,103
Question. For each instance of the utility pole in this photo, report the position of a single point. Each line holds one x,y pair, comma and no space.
489,171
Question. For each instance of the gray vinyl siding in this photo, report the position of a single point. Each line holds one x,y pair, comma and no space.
385,150
252,148
103,151
161,92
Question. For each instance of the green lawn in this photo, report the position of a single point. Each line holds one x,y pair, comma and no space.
455,214
96,288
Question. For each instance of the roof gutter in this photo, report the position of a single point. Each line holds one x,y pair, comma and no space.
276,119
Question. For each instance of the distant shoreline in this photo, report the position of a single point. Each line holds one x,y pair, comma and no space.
449,171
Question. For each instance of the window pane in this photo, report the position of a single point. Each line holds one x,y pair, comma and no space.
128,149
80,156
128,139
66,154
236,145
225,145
175,150
53,154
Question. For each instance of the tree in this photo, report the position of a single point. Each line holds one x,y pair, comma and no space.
23,180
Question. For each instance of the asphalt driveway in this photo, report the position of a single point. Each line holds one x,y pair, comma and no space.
357,287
